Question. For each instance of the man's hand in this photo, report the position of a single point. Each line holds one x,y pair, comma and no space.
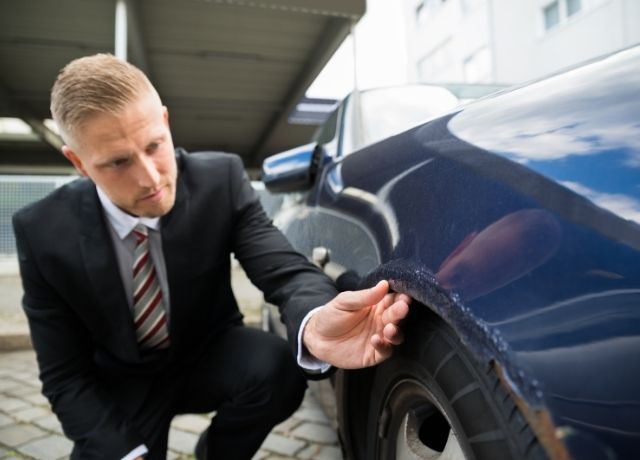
357,328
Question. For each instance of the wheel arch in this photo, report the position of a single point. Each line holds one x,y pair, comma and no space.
485,344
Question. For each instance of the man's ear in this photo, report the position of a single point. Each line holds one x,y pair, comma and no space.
74,159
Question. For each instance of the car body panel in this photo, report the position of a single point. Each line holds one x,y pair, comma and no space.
516,220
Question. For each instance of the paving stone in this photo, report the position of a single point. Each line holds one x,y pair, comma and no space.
29,378
182,442
50,423
319,452
53,446
7,384
282,445
305,435
5,373
311,414
316,433
191,422
287,426
5,420
10,405
36,398
309,452
23,390
14,435
260,455
329,453
30,414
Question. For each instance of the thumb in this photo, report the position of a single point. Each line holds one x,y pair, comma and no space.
355,300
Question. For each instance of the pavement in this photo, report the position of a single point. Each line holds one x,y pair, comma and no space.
28,428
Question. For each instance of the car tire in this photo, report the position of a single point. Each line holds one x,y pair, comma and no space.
432,400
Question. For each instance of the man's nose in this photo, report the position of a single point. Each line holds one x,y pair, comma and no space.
148,175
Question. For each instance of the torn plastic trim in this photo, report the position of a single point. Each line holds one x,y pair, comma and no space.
539,420
484,342
558,441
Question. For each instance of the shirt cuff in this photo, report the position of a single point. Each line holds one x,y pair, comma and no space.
137,452
306,360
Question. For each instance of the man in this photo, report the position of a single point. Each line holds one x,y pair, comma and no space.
127,285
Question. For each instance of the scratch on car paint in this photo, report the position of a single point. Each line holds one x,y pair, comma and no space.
539,420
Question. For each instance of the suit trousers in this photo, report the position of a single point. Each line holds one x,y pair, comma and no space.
248,376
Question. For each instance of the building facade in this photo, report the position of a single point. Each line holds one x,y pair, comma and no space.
511,41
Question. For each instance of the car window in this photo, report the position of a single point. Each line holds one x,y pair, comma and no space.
328,130
389,111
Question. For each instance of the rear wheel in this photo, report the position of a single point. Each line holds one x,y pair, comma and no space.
433,401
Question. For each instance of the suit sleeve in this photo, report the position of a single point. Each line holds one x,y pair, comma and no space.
286,277
63,348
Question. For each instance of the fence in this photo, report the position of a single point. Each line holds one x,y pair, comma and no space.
17,191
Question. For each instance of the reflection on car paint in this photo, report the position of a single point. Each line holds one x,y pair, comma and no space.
501,253
559,135
465,190
515,219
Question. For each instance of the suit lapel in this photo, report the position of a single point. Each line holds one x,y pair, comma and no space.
177,248
102,268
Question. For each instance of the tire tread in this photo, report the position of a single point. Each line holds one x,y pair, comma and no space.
484,414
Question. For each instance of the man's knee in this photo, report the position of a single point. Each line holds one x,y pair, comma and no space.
282,381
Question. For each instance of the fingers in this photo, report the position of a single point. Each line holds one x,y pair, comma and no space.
355,300
403,297
393,334
382,348
396,312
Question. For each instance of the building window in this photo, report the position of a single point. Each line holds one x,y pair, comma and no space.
558,12
573,6
551,15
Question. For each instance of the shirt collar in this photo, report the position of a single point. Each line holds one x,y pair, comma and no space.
122,222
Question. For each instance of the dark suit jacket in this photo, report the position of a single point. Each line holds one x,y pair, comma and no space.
80,321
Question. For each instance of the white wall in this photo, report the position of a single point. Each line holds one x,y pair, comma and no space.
524,50
518,46
451,35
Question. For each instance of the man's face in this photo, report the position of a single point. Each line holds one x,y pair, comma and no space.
130,156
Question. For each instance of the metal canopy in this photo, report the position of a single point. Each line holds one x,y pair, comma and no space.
230,71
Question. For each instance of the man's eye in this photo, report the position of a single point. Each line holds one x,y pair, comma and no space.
153,147
120,162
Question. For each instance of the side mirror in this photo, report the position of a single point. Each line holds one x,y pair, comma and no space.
293,170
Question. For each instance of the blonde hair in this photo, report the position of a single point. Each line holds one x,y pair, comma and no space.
92,85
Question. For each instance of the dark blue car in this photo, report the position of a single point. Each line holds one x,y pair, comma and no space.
514,223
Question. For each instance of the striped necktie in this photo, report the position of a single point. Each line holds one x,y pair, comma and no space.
149,315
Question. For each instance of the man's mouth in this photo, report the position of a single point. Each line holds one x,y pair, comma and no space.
155,195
